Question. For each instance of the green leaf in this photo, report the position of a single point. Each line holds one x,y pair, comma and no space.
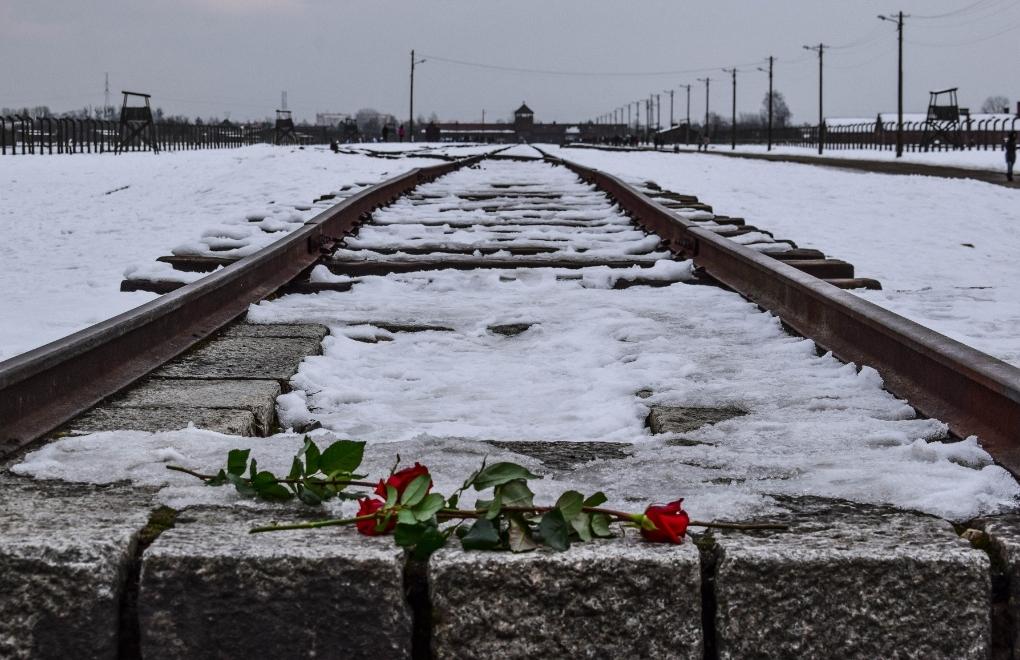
415,491
570,504
241,484
483,535
554,530
429,506
342,456
237,460
391,497
309,496
582,525
311,452
500,473
406,535
519,535
253,469
600,525
296,469
494,506
515,493
431,540
406,516
597,499
268,488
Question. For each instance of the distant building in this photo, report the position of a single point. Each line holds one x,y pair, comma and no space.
330,118
523,129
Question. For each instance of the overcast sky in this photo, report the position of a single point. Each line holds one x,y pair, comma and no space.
214,57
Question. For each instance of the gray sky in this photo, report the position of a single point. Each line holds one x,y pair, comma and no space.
211,57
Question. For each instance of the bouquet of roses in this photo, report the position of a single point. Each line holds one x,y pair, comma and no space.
403,504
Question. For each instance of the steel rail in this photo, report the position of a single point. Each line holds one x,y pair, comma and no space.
973,392
47,386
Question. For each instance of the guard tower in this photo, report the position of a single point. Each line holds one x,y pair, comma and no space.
284,132
136,122
349,130
943,122
524,122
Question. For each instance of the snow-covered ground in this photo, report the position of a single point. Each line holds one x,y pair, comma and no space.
810,424
973,159
72,225
945,250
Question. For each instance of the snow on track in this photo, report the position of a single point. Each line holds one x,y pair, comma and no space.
72,225
812,426
945,250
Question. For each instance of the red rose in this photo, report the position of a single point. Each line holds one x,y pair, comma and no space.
370,526
402,478
670,522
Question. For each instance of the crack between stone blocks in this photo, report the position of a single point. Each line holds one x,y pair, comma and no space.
129,632
416,592
1002,630
708,551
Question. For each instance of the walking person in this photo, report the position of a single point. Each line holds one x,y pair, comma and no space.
1010,154
400,132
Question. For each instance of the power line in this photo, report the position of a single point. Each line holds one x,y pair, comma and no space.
956,12
551,72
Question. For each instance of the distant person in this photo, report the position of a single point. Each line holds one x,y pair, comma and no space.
1010,154
386,133
400,132
706,141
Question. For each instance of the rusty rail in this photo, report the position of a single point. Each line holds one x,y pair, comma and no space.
45,387
974,393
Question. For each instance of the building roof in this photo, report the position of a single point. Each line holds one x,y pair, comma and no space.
524,109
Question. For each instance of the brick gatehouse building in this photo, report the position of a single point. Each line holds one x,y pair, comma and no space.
523,129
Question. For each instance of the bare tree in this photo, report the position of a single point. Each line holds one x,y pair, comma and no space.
994,104
781,114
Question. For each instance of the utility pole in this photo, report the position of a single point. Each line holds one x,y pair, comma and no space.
733,118
687,131
707,81
670,108
658,113
820,49
771,60
899,83
483,115
628,118
107,114
410,118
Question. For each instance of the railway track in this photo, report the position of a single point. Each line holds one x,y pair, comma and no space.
446,288
511,224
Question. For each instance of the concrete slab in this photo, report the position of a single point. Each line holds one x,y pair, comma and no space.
851,581
259,358
621,598
65,554
255,396
111,418
210,589
565,454
683,419
295,330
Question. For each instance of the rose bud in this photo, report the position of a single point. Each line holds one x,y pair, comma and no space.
402,478
370,526
670,522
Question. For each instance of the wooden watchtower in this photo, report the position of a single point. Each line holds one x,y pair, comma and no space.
284,132
136,122
943,121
